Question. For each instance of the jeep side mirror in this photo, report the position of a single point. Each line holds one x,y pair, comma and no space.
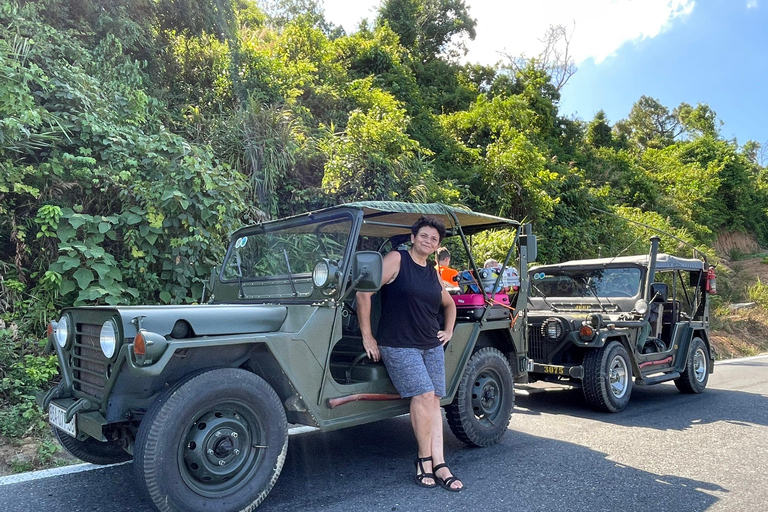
367,270
659,292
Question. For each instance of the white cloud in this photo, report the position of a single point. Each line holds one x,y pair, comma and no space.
349,13
515,26
601,26
751,4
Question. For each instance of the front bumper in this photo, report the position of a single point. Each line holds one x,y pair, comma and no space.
573,371
89,422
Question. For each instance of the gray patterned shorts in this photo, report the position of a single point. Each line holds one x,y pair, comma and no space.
415,371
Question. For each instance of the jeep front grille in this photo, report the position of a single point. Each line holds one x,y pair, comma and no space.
536,343
89,365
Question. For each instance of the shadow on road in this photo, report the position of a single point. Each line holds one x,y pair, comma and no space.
370,468
684,410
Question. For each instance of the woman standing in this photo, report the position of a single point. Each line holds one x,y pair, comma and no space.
410,342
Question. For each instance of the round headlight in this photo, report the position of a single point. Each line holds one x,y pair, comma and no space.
552,329
641,306
108,338
595,320
321,273
61,333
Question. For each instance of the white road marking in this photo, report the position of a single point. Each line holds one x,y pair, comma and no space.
82,468
741,359
46,473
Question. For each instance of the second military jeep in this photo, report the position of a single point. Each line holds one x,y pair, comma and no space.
200,396
610,323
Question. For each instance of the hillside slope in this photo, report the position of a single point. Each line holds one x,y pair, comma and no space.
738,332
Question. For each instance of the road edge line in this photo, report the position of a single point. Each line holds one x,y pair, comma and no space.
83,467
741,359
47,473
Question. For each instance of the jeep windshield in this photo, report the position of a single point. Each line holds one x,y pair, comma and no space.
594,283
276,259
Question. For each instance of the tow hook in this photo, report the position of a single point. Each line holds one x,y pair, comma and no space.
81,405
53,393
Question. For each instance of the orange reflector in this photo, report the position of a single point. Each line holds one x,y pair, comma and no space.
49,329
139,345
586,332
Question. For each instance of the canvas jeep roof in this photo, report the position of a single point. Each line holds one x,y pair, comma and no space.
663,262
391,217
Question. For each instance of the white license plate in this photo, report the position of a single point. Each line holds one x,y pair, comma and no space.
530,365
57,417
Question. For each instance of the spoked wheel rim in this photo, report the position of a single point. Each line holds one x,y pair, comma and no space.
487,397
222,449
618,376
700,365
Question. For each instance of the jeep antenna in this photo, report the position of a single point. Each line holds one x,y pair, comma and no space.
695,249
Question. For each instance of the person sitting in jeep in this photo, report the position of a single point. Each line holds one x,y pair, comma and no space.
447,274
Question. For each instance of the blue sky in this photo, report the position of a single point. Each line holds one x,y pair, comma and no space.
693,51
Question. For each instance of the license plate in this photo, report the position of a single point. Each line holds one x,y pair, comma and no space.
557,370
57,416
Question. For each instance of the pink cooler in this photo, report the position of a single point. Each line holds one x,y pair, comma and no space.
470,306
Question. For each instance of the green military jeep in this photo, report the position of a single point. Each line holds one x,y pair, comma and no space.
200,396
598,323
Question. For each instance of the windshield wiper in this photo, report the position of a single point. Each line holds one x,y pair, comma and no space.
543,297
591,289
290,273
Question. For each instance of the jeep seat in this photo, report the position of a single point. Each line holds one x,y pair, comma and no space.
349,363
659,295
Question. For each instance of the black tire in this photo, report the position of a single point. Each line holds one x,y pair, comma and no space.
696,374
91,450
479,414
607,382
216,442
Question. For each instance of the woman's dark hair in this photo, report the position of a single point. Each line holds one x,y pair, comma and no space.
429,222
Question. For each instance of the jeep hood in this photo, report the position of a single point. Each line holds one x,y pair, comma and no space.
205,320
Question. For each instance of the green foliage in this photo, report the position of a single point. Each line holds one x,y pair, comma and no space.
23,373
429,27
374,158
698,121
494,135
651,124
599,132
493,244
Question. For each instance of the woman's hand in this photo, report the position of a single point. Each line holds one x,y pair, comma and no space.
445,336
371,347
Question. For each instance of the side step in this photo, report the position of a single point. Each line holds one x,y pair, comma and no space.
649,381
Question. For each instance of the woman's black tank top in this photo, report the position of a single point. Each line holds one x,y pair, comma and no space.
409,307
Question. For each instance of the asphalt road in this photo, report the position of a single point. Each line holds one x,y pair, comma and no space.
666,451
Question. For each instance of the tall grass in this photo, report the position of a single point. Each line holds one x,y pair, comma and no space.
758,292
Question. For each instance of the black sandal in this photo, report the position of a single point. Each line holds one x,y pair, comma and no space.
446,483
419,463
